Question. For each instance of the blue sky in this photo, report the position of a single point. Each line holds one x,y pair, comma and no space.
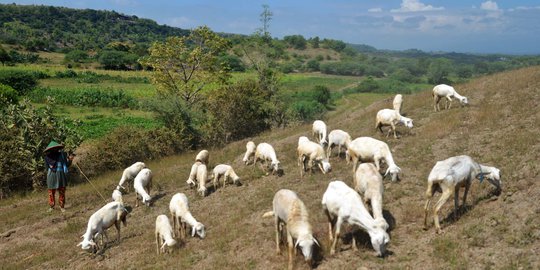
478,26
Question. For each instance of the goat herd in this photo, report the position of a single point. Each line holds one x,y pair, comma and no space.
341,203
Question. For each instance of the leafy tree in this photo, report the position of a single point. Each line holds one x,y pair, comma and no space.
313,65
21,81
439,70
296,41
236,111
314,42
77,56
117,60
184,66
8,94
322,94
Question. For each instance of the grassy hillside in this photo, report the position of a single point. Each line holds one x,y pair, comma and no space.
498,129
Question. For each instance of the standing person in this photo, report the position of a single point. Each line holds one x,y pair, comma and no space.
57,168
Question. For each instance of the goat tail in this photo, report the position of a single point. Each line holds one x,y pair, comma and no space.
268,214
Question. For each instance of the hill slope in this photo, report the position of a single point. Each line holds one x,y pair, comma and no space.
498,128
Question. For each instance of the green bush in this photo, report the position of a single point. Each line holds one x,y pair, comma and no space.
8,94
25,133
21,81
308,110
126,145
236,112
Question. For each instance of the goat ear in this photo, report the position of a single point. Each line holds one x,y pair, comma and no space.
296,244
316,242
79,244
193,231
387,171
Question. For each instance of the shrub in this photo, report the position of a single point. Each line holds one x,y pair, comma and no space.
235,112
25,133
8,94
21,81
126,145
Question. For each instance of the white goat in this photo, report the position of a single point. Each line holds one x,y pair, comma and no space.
180,214
142,185
339,138
198,176
367,149
250,152
446,91
193,174
398,100
117,195
164,234
311,153
266,153
290,211
130,173
319,132
100,221
343,205
369,183
389,117
449,175
227,172
203,157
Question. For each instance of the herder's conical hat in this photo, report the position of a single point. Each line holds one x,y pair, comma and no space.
53,145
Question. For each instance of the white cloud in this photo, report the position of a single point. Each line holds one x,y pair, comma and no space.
375,10
525,8
489,5
415,6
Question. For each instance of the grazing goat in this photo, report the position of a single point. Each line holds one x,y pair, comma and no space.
369,183
117,195
202,157
164,234
339,138
449,175
291,212
446,91
180,214
142,185
100,221
398,100
266,153
311,153
367,149
389,117
198,176
250,152
130,173
319,132
227,172
342,204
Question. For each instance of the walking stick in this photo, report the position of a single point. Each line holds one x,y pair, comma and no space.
90,182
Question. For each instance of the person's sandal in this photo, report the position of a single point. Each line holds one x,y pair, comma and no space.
62,210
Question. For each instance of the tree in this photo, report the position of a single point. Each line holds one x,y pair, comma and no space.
438,71
265,17
314,42
296,41
184,66
76,56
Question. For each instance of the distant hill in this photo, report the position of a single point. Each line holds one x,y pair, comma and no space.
51,28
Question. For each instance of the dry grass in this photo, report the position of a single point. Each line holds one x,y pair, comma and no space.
499,129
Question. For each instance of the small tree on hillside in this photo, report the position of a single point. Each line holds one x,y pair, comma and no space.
184,66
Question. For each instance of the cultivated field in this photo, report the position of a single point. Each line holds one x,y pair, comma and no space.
499,128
